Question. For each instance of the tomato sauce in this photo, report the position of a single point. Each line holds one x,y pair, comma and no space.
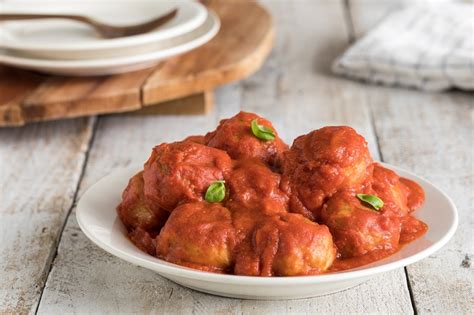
355,262
411,229
277,211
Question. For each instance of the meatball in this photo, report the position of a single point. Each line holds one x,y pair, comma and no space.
254,194
234,135
199,235
286,245
246,219
387,186
196,139
357,229
321,163
400,195
416,194
253,185
135,211
182,171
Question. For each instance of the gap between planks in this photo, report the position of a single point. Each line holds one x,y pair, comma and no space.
54,251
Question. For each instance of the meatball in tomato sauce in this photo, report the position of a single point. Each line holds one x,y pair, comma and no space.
358,229
252,184
321,163
136,211
387,186
400,195
254,195
199,235
286,245
181,172
234,135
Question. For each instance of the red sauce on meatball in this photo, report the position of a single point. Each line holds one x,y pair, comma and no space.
321,163
180,172
283,211
234,136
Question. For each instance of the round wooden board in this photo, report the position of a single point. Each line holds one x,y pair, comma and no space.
239,49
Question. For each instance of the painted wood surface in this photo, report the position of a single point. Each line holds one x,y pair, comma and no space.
40,166
430,134
86,279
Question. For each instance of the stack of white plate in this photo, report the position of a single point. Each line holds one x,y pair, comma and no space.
72,48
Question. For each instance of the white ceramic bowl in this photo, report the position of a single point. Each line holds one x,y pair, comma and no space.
98,220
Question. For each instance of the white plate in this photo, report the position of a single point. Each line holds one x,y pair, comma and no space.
65,39
172,47
97,218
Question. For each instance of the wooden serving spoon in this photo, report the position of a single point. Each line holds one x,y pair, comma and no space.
106,30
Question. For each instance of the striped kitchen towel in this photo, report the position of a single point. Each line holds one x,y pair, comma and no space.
430,47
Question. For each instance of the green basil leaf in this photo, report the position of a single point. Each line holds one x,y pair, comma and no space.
215,192
372,200
261,131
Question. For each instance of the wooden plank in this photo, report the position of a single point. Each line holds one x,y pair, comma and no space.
239,49
15,85
432,135
196,104
61,97
40,166
293,91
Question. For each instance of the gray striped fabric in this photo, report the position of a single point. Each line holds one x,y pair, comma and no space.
426,47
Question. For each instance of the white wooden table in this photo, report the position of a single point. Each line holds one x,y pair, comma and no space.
48,266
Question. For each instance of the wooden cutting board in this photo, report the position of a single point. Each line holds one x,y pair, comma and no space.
183,84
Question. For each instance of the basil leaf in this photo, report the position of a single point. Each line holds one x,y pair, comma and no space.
372,200
215,192
261,131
